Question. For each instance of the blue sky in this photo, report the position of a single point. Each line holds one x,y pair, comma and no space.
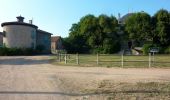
57,16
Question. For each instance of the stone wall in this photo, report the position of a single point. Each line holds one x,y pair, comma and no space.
1,39
44,39
19,36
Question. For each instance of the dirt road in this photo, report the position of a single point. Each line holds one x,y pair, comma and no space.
34,78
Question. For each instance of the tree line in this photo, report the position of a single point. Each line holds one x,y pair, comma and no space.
102,33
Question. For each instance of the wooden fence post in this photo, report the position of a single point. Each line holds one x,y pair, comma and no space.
59,55
77,57
122,61
65,58
153,58
149,60
97,59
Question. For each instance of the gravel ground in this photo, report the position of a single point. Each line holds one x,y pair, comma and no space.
34,78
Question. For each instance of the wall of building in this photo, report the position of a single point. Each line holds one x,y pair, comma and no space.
19,36
53,46
44,39
1,40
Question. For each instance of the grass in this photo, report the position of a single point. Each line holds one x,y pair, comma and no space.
88,60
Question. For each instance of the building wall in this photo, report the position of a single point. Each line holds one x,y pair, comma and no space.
1,40
56,45
44,39
59,45
53,46
19,36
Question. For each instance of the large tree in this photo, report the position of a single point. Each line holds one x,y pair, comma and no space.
161,21
95,34
138,26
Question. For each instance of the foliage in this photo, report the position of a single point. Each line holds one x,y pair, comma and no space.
161,22
93,34
167,50
40,48
146,48
4,51
101,34
138,26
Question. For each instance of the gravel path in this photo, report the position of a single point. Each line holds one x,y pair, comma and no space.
33,78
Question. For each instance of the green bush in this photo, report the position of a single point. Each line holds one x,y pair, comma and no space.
145,48
167,50
4,51
40,48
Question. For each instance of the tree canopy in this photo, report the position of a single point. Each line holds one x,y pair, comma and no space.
94,34
162,27
138,25
102,33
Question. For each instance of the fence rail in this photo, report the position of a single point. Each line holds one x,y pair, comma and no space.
114,60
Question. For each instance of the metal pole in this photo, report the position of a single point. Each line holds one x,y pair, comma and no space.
122,61
97,59
149,60
77,59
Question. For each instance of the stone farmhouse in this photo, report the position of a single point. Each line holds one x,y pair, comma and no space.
19,34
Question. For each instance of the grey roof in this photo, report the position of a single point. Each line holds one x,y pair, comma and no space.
124,18
18,23
55,38
45,32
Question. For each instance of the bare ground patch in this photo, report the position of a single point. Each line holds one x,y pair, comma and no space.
33,78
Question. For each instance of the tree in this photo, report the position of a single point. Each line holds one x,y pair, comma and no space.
91,34
161,22
138,26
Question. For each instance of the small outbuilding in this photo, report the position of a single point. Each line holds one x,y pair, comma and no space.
56,44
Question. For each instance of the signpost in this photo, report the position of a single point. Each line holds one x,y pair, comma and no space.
153,50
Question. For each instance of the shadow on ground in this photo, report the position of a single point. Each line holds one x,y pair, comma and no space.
22,61
76,94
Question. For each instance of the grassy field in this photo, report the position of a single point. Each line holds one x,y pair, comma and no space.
142,61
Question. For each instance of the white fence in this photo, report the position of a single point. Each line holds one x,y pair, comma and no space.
114,60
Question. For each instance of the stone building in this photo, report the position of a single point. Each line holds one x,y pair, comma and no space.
44,39
19,34
1,39
56,44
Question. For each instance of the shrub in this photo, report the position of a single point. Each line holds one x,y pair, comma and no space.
40,48
4,51
146,48
167,50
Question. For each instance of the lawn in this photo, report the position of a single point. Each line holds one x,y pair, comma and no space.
112,60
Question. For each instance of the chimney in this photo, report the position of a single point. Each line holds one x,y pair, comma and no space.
20,19
30,21
119,18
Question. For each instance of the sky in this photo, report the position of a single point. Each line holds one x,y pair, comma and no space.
57,16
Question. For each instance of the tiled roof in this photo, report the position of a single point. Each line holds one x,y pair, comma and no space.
55,38
42,31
